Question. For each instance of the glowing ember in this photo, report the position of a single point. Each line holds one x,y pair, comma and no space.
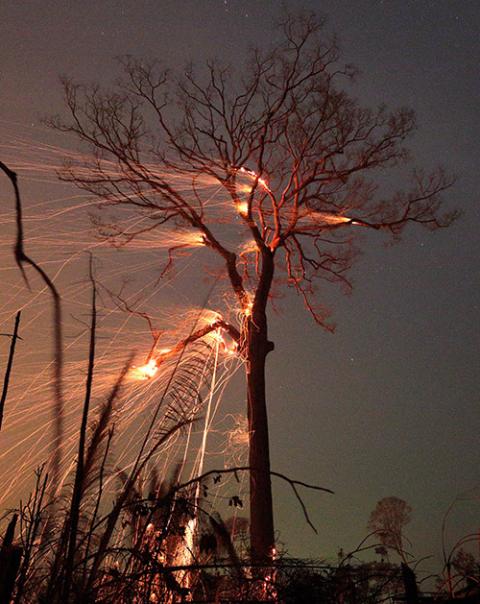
194,239
209,317
217,336
232,349
328,218
262,181
242,208
147,371
247,308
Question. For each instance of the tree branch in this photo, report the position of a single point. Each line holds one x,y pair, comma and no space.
291,482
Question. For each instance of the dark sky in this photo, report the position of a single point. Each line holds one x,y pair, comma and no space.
389,404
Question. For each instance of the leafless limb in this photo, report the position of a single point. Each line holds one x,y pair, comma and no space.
291,482
22,258
71,528
8,369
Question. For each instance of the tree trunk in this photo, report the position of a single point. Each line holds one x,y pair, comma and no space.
410,584
262,540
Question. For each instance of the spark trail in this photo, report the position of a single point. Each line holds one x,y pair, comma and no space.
59,229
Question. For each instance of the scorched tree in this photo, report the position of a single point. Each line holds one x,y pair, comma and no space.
295,158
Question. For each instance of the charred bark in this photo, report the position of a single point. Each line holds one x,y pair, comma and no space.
262,541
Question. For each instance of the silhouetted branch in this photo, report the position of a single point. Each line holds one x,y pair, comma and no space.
11,353
293,483
79,481
21,257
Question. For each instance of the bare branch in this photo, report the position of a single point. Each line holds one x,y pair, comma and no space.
8,369
21,259
291,482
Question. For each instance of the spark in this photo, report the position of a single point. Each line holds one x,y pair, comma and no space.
58,231
147,371
261,181
247,307
217,336
328,218
232,349
210,317
194,239
242,208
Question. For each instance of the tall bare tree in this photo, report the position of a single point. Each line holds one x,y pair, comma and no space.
294,155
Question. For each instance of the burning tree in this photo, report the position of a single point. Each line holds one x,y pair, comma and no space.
291,156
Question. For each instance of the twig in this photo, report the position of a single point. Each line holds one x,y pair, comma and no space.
79,484
291,482
6,379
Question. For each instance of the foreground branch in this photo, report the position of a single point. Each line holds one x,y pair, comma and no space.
22,258
6,379
291,482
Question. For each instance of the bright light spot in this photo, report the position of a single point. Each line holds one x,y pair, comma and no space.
194,239
147,371
264,183
210,317
327,218
217,336
232,349
261,181
242,208
247,308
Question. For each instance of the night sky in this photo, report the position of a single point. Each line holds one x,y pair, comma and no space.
389,404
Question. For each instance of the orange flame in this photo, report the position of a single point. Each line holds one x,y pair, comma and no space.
247,308
147,371
261,181
242,207
193,239
327,218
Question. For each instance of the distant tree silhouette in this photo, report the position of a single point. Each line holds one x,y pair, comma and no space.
388,520
294,155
